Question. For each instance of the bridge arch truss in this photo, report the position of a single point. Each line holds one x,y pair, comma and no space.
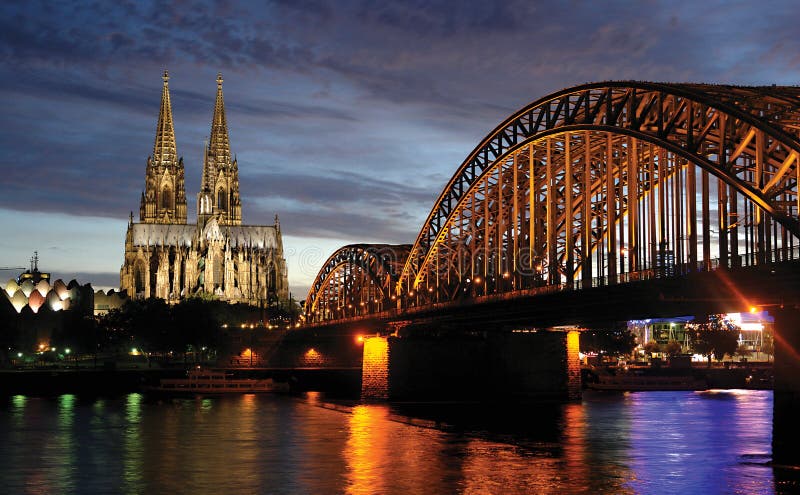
608,182
355,280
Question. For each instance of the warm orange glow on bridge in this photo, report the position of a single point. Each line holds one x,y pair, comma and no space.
375,368
553,200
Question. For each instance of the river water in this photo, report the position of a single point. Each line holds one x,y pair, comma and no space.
645,442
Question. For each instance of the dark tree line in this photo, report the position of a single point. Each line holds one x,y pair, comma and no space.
615,341
154,327
709,336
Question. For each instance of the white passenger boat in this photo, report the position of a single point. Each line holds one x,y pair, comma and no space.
206,382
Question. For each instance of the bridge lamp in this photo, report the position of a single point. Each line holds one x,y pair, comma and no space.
477,280
430,289
359,339
411,293
505,275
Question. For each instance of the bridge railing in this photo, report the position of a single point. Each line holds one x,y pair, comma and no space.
741,261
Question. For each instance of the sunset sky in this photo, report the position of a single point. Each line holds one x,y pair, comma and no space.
348,118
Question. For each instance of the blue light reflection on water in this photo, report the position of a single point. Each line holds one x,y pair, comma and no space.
713,441
649,442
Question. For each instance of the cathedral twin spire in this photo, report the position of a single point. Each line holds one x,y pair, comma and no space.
164,149
218,145
219,191
164,197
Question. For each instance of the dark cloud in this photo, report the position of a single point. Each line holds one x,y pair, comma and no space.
345,189
348,117
345,206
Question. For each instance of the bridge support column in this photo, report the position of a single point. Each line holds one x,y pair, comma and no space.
786,405
375,369
573,365
524,365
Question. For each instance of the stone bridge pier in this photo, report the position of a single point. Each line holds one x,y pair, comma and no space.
518,365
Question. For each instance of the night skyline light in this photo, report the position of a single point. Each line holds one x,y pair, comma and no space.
347,119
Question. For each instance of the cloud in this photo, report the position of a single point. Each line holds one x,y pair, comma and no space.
347,206
348,118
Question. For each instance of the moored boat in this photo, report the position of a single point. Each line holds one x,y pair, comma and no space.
628,381
207,382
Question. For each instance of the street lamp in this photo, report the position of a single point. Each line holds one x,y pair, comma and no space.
251,345
622,253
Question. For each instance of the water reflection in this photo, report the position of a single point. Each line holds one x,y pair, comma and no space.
18,410
611,443
132,474
700,439
365,450
468,449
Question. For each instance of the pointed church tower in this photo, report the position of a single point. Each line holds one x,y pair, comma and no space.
219,190
164,197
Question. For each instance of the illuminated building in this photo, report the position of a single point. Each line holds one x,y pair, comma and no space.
33,289
168,258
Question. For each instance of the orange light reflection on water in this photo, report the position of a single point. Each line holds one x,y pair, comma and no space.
366,450
385,454
388,453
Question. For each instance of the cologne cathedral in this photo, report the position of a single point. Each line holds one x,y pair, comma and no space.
168,258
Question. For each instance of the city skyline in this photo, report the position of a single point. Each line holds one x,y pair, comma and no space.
346,121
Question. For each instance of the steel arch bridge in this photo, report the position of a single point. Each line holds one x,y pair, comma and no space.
357,279
610,182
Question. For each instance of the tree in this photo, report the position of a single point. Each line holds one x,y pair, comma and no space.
743,351
651,347
196,323
613,342
768,342
673,348
715,336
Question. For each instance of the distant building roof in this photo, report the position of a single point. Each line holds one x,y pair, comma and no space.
154,234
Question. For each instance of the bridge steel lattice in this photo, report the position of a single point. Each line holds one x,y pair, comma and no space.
610,182
357,279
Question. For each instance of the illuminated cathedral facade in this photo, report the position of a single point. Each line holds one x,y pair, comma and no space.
168,258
